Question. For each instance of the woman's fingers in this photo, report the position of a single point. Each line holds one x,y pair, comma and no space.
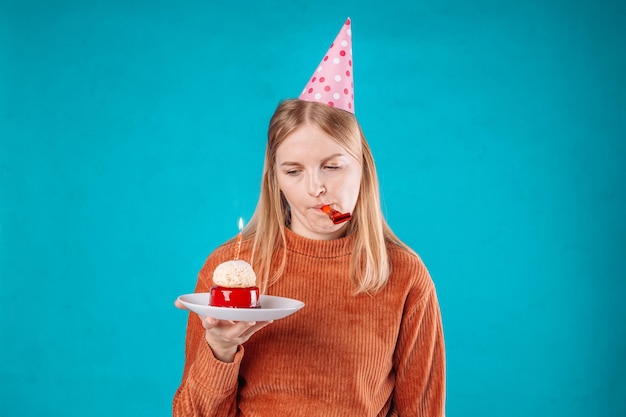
210,322
237,330
224,336
230,331
251,329
256,327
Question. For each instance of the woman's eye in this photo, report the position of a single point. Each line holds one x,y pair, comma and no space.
331,167
292,172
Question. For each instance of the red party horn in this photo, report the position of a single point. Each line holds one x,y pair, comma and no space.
336,216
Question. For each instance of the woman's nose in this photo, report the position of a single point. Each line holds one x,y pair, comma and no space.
316,188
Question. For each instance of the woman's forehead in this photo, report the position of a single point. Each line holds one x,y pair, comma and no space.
308,145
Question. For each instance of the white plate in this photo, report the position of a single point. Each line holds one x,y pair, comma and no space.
272,308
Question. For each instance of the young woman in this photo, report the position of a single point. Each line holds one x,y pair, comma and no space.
369,341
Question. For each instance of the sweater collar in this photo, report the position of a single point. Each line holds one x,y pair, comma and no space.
333,248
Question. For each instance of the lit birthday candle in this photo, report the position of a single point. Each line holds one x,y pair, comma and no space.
238,246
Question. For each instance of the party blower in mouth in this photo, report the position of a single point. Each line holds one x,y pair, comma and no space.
336,216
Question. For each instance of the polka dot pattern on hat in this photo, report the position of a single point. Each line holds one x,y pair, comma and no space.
332,83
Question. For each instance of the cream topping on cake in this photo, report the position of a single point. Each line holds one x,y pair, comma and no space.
234,274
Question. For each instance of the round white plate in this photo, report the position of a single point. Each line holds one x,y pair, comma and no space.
272,308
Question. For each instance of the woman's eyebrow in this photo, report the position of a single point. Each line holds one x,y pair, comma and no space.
335,155
289,163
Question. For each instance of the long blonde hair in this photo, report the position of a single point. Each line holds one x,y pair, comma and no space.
369,268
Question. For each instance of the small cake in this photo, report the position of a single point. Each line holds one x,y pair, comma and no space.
235,286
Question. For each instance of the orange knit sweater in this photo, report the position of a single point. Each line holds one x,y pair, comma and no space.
341,355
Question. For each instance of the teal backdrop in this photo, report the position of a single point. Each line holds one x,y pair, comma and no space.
132,137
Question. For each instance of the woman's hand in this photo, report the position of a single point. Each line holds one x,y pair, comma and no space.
223,336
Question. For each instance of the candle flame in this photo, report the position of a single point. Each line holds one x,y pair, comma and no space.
240,224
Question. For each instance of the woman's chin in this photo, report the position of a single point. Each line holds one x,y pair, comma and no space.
318,227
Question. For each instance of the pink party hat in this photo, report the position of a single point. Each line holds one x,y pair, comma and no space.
331,83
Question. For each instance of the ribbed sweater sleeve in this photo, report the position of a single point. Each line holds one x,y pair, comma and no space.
420,347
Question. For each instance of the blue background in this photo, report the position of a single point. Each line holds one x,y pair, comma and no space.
132,138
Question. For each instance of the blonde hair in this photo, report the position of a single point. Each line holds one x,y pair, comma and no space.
369,268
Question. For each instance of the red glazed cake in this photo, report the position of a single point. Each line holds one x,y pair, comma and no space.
235,286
